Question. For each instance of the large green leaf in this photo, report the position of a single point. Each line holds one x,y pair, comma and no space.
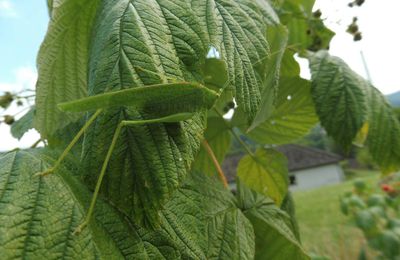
237,29
62,62
38,216
265,172
383,138
347,105
289,207
339,96
210,211
275,234
293,116
219,138
140,43
149,162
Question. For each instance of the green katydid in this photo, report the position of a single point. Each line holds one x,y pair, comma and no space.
168,102
171,102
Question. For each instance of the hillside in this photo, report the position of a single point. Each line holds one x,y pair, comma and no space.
394,99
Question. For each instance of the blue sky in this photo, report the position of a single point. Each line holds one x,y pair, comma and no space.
23,24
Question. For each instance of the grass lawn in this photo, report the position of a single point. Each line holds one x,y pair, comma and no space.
324,229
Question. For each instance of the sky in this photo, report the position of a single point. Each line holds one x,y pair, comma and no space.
23,25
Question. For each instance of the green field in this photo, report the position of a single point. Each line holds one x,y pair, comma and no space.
324,229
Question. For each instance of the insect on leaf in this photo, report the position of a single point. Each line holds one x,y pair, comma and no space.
162,98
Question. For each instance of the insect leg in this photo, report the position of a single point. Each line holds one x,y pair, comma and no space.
168,119
100,179
70,145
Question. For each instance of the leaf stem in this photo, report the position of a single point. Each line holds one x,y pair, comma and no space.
243,144
215,161
237,137
34,145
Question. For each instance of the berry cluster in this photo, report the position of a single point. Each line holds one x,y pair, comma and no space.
356,3
7,99
353,30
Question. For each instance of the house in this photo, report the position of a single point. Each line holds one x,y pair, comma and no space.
311,167
308,167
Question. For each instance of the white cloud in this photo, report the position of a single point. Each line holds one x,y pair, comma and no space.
7,9
24,78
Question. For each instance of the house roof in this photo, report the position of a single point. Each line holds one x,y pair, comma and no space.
302,157
299,157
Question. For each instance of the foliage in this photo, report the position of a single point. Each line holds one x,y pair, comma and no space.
325,231
377,214
161,75
364,159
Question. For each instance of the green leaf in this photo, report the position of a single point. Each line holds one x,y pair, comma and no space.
62,63
24,124
265,172
237,30
140,43
348,106
50,6
293,116
219,138
289,66
136,44
339,96
288,205
215,73
210,211
277,36
161,99
148,164
306,32
383,138
275,234
38,216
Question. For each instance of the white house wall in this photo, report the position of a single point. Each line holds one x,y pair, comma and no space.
316,177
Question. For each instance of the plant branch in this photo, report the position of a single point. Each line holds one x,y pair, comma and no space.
237,137
36,143
215,161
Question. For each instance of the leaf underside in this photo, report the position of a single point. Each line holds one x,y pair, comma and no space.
38,216
219,139
293,116
63,63
345,102
265,172
274,231
140,43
